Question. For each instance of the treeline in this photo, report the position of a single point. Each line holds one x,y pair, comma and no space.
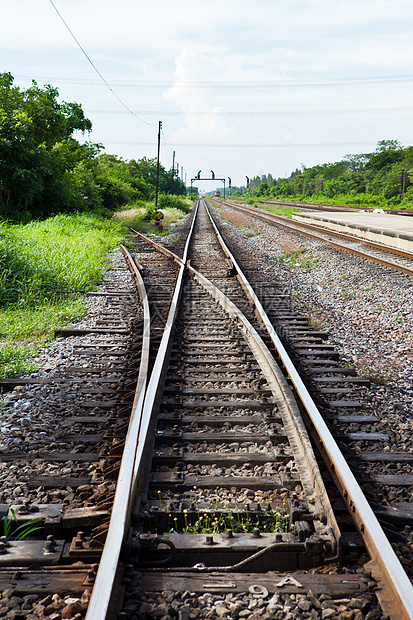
45,170
381,178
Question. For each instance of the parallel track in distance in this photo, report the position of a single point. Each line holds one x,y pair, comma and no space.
322,234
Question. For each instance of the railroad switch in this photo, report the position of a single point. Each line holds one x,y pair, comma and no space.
301,550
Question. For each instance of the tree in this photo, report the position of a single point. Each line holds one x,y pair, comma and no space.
37,151
388,145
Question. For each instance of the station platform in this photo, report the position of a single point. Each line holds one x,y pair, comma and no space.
395,231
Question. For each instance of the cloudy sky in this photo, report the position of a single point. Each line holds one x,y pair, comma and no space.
241,87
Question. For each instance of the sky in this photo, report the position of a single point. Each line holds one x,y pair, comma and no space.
242,88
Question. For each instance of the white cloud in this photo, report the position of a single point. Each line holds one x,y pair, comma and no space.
203,122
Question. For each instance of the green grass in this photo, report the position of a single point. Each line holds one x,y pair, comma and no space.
38,324
45,267
301,258
45,261
15,360
285,211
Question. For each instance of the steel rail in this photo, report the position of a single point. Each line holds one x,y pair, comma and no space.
278,219
101,594
395,589
142,410
158,247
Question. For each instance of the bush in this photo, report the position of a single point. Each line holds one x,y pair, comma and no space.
166,201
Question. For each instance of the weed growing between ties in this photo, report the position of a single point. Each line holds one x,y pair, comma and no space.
13,531
45,267
251,233
237,219
217,517
238,522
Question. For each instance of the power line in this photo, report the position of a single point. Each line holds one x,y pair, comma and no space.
265,113
258,144
309,82
94,66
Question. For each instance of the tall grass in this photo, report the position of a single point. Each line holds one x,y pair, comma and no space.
46,261
142,219
14,360
44,268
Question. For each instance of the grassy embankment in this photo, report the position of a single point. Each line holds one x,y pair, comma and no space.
45,267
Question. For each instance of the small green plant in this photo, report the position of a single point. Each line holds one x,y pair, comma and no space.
21,531
238,520
399,318
301,258
378,371
346,293
317,321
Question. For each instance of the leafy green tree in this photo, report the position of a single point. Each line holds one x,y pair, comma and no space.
385,155
37,151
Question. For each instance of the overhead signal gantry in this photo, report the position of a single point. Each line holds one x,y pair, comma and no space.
212,178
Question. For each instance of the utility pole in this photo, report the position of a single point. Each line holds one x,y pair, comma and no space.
157,165
173,172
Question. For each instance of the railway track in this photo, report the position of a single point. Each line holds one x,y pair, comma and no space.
331,207
378,253
221,506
